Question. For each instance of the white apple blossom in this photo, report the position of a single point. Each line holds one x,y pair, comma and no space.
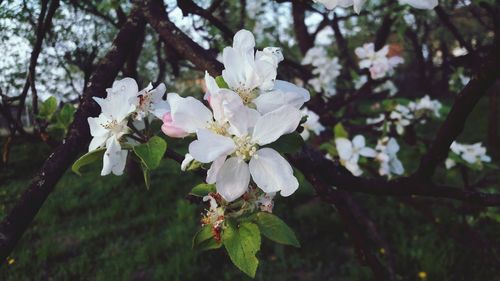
470,153
386,86
377,62
150,100
312,124
188,114
350,151
399,118
252,76
325,69
387,149
420,4
331,4
238,156
110,126
425,107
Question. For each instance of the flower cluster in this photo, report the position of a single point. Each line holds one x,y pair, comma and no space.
248,111
358,4
124,106
470,153
385,153
425,108
378,62
386,86
349,152
387,149
402,116
325,69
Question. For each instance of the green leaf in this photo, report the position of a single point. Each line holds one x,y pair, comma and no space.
48,108
86,159
242,243
289,143
339,131
204,240
275,229
65,116
151,152
202,189
221,83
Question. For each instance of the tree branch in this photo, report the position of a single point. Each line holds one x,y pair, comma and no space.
310,161
18,219
154,11
451,128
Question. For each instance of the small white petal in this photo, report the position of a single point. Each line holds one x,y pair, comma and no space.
344,148
367,152
244,40
209,146
233,179
187,160
358,141
276,123
188,114
114,159
214,169
271,172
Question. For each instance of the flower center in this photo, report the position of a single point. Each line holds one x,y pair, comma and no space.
245,148
218,128
144,100
115,127
246,95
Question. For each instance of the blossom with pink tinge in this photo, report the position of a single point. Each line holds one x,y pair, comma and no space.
169,129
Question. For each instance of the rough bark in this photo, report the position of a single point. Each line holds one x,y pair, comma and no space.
155,13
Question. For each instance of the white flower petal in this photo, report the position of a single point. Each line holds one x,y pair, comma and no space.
396,166
244,40
187,160
276,123
271,172
209,146
188,114
421,4
269,101
358,141
233,179
97,142
214,169
95,125
114,159
367,152
344,148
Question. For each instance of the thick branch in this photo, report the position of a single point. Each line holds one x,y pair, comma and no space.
445,19
154,11
304,39
18,219
312,162
190,7
451,128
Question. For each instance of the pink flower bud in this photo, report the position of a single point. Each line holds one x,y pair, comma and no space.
169,129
